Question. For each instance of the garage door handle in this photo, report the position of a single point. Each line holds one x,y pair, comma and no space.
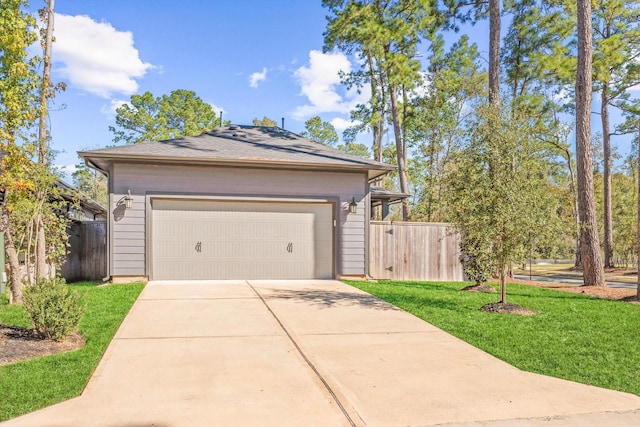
290,248
198,247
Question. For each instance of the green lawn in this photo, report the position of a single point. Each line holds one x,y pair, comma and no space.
575,337
33,384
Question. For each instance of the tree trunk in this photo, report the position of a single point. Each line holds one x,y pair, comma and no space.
46,86
593,272
503,285
638,251
377,126
606,148
41,270
576,217
400,151
494,52
15,274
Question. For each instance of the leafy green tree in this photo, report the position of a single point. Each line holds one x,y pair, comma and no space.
266,121
319,131
536,55
491,182
18,110
385,34
624,206
29,215
355,149
90,183
149,118
464,11
437,119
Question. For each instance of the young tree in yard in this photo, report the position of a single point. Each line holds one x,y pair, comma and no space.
149,118
497,189
593,271
323,132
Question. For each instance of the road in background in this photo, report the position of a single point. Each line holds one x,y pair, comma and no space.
572,280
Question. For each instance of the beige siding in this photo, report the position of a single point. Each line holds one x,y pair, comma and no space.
129,229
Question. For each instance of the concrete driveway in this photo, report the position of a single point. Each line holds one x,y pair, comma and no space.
309,353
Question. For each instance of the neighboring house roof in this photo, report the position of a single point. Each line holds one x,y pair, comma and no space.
238,145
378,194
71,194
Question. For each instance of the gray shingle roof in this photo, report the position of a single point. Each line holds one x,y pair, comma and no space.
235,144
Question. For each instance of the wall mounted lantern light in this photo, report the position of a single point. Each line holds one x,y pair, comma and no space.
127,199
353,206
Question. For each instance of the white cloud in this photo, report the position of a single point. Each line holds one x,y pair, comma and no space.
258,77
320,83
217,109
110,110
96,57
341,124
66,171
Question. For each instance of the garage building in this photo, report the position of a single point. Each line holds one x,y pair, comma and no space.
239,202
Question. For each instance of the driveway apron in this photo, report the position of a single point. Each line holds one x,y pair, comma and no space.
309,353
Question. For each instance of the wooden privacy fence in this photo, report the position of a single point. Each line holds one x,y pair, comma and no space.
414,251
87,254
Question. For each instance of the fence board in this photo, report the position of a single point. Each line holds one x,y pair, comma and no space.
414,251
87,255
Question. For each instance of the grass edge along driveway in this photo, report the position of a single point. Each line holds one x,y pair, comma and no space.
33,384
574,337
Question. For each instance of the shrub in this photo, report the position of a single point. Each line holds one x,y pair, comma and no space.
53,308
477,259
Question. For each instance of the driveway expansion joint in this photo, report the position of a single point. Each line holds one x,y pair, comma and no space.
324,382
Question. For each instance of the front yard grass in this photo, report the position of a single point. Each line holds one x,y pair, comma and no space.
33,384
575,337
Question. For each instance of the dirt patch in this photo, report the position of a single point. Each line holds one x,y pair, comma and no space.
507,308
605,292
479,288
17,344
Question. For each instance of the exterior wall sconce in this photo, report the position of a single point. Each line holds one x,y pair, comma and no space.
127,199
353,206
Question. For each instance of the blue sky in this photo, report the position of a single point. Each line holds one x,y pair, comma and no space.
247,58
250,59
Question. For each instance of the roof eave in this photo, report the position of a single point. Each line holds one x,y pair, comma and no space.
374,171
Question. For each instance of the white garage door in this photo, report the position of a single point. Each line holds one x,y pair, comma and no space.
201,239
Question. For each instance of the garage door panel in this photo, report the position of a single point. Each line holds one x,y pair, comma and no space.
195,239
